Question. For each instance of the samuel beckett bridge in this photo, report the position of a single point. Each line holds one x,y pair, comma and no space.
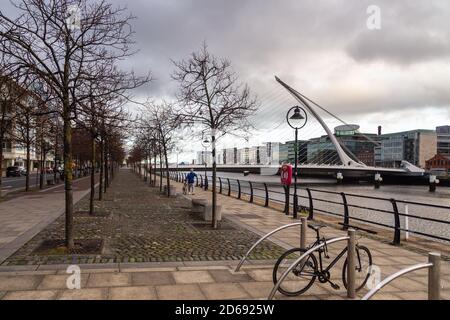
326,155
392,211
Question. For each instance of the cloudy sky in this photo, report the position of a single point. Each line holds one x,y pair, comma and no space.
397,76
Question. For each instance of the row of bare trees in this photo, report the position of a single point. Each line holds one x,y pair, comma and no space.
210,101
154,138
67,54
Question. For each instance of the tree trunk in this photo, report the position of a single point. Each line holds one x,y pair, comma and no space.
167,171
100,187
55,167
1,165
214,177
91,200
106,168
68,174
37,163
154,173
113,166
160,172
41,173
28,147
27,177
150,169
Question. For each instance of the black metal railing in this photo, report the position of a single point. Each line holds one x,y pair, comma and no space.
346,206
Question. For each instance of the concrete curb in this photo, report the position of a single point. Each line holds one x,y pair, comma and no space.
136,267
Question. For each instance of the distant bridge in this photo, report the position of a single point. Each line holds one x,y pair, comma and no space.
408,171
349,166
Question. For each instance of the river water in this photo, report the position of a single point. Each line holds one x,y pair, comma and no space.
413,193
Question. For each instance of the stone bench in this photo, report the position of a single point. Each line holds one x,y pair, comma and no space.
198,205
203,207
173,191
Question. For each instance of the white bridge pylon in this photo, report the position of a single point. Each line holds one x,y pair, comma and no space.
345,159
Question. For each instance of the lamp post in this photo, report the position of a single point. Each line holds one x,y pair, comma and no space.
178,151
296,118
205,144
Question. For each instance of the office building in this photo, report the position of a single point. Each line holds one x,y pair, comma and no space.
204,157
243,156
230,156
258,155
273,153
359,146
414,146
443,140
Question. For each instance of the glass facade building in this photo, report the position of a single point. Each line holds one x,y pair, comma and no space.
443,140
415,146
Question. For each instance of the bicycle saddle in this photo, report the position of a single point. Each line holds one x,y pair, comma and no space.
316,227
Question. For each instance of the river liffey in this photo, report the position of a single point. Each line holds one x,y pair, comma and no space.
358,206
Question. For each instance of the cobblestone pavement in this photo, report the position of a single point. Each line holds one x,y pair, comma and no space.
144,226
216,279
27,214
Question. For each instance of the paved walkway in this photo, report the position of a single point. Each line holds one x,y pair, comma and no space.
22,217
136,223
214,279
386,256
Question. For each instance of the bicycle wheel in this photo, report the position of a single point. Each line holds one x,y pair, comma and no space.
362,264
302,275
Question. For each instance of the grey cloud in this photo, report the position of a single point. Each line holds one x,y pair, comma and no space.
316,46
411,32
400,46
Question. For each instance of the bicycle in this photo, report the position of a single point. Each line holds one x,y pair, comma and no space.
303,275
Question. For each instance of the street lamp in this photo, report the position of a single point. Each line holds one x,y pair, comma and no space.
296,118
205,143
178,150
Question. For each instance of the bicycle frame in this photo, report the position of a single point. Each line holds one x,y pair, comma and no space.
331,265
335,260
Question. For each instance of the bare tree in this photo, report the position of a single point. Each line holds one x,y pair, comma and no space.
25,128
146,141
12,94
100,113
6,115
58,41
136,155
162,120
212,97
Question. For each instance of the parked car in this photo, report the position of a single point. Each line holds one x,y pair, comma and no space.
14,171
23,171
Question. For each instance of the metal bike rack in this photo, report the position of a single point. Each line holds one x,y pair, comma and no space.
262,239
350,267
434,279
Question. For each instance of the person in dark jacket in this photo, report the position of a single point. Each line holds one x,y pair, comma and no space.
190,178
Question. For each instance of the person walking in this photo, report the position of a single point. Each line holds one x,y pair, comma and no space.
190,178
